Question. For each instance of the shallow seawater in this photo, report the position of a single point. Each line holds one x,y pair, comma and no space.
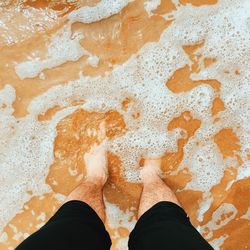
169,78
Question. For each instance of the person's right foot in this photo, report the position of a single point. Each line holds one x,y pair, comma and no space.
155,189
151,170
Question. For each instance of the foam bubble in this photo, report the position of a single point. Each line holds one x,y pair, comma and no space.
151,5
206,165
117,218
204,205
26,153
143,79
103,9
3,237
218,242
246,216
221,216
62,48
93,61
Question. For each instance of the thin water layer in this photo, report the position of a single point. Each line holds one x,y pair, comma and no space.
169,78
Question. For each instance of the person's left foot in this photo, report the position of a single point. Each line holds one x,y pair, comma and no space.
96,160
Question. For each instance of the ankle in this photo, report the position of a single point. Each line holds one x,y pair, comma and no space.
150,175
96,180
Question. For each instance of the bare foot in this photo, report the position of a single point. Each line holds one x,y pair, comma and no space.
90,190
151,170
96,164
96,159
154,188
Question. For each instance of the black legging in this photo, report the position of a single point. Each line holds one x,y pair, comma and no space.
77,226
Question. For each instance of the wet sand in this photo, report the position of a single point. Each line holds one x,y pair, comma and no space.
114,40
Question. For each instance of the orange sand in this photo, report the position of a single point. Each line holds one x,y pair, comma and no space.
137,30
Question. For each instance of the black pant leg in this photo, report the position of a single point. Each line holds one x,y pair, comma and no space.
166,226
75,226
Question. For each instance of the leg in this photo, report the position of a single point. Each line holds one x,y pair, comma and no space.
154,189
78,224
163,224
90,191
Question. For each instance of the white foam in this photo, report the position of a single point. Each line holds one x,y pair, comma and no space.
244,172
122,244
93,61
117,218
3,237
155,103
151,5
62,48
7,121
221,216
204,205
218,242
246,215
143,78
60,197
25,157
41,217
206,165
102,10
